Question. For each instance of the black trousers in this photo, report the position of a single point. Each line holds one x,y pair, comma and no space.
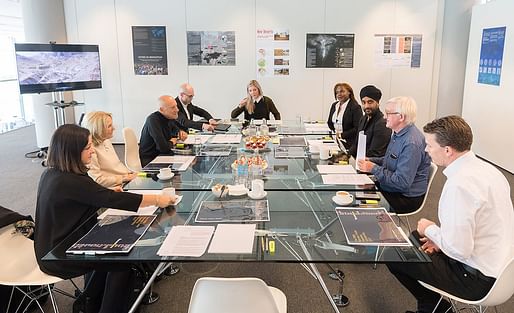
402,204
108,289
444,273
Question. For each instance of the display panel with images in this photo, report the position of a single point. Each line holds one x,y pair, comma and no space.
403,50
491,56
330,50
211,48
57,67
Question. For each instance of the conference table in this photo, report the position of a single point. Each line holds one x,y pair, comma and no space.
303,223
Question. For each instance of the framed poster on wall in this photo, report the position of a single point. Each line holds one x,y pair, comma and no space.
150,51
211,48
329,50
491,56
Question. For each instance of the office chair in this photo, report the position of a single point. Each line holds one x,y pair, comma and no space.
235,295
20,268
431,174
501,291
132,160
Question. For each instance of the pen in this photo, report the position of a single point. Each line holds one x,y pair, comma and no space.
144,174
267,244
262,244
114,244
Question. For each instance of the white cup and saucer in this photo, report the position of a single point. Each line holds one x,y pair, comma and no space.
257,191
165,174
343,198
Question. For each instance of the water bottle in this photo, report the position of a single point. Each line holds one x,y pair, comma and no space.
197,145
252,130
264,129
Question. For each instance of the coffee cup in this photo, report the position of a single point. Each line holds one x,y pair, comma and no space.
169,191
324,153
257,186
165,172
344,196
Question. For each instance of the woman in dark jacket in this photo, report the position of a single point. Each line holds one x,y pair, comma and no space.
345,114
66,198
256,105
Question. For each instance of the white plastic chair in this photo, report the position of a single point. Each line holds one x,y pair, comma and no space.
502,290
431,174
235,295
132,160
19,268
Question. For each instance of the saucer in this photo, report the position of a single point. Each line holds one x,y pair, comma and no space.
339,201
236,190
161,177
257,197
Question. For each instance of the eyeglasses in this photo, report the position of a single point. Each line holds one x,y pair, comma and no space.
190,96
392,113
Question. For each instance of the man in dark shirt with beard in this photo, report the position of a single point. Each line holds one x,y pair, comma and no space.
373,124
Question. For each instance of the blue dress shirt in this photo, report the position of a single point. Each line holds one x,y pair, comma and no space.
405,166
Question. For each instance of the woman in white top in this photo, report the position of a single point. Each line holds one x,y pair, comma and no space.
105,167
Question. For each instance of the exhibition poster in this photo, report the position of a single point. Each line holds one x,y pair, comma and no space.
491,56
150,51
211,48
329,50
398,50
273,52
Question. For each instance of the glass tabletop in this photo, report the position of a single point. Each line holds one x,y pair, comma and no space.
278,172
299,221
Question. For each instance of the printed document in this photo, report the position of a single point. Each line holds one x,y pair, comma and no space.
346,179
186,241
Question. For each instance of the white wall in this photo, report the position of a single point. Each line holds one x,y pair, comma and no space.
218,89
489,109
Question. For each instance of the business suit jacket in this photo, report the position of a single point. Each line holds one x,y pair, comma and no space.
377,135
193,110
351,118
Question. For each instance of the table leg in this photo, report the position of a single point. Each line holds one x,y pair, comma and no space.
318,275
147,286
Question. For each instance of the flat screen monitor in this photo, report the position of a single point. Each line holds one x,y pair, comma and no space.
57,67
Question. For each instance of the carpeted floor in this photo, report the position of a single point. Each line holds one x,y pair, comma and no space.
369,290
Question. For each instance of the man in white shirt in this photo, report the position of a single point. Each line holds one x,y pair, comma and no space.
186,110
475,239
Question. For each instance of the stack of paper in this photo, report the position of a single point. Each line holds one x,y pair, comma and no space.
336,169
227,138
346,179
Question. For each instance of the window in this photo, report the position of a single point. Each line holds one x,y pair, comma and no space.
14,111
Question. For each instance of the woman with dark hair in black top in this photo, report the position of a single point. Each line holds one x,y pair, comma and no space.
66,198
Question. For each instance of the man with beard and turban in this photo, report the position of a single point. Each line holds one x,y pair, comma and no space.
373,124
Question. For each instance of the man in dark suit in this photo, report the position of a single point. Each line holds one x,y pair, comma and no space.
373,124
186,110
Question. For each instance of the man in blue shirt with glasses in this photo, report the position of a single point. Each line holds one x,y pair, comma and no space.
402,173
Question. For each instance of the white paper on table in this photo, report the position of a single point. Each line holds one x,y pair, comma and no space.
336,169
227,138
191,139
147,210
186,241
318,127
361,147
233,238
268,122
346,179
314,145
186,160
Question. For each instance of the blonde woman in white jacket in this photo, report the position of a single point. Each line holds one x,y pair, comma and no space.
105,167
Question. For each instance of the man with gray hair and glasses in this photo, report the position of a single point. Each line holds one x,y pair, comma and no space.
402,173
475,239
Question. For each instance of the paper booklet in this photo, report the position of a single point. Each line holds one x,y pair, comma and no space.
371,227
113,234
